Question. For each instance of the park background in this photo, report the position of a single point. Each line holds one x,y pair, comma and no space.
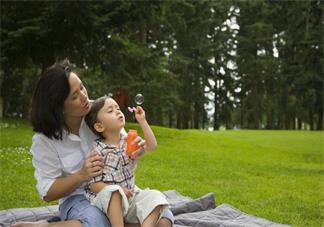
201,65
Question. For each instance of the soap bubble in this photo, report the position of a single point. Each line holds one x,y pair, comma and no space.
139,99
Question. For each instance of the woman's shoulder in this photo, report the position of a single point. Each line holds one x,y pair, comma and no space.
40,143
40,138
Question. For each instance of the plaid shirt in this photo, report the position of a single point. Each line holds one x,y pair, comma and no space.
118,167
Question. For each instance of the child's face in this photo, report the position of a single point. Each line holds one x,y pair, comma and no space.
110,116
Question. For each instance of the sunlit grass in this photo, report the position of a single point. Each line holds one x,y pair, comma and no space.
277,175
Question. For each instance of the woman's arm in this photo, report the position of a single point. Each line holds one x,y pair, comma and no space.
63,187
66,185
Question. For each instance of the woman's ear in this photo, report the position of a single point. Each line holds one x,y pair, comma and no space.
98,127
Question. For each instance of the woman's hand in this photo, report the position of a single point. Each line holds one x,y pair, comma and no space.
64,186
92,166
141,150
128,192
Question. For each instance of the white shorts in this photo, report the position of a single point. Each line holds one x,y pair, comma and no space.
137,208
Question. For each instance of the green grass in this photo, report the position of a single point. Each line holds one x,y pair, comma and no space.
277,175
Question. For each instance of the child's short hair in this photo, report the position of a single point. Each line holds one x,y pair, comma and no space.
92,117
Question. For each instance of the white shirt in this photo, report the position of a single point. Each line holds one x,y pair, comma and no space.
54,158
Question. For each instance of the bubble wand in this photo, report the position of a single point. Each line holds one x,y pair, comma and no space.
139,99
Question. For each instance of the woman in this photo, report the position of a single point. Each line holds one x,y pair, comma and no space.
61,148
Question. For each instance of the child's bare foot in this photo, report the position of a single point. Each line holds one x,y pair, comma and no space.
41,223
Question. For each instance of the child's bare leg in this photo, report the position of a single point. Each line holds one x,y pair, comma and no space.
164,222
153,217
115,210
44,223
132,225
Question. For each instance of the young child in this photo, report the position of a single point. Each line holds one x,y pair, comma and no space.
114,191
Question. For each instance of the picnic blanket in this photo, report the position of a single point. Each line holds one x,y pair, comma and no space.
201,212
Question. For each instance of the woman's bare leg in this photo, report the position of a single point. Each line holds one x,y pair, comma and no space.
115,210
44,223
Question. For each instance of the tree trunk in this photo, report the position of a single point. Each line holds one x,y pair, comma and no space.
311,120
256,123
320,120
299,124
143,32
279,121
196,116
179,119
1,108
1,99
216,109
185,120
307,21
270,121
170,119
159,117
242,113
287,122
203,120
185,116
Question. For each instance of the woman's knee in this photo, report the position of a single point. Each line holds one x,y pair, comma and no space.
95,217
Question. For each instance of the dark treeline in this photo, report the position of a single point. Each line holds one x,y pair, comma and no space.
235,64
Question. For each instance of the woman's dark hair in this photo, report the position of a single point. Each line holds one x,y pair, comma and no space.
48,102
92,117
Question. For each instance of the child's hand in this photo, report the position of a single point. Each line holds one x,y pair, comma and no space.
138,153
141,150
139,114
128,192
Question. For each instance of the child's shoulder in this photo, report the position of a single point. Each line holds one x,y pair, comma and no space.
102,148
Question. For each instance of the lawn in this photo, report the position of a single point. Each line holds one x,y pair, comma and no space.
277,175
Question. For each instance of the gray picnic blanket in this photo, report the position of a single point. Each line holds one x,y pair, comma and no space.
201,212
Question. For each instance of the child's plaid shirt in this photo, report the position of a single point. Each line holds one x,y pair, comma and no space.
118,167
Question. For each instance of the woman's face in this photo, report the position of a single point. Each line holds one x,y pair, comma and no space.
77,103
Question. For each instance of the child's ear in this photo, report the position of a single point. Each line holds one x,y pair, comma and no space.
98,127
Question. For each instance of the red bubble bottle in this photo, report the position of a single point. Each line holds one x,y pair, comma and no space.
131,136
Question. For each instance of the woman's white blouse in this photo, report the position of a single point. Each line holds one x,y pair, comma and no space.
53,158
